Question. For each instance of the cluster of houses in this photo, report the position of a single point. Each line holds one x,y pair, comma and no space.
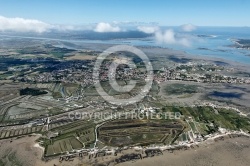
195,73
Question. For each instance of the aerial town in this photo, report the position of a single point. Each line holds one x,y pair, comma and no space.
124,83
55,96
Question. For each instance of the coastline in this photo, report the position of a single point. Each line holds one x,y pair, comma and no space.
174,157
224,152
166,151
153,51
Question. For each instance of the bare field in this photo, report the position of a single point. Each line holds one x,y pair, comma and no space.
81,56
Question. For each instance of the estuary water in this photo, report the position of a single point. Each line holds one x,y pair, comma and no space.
215,42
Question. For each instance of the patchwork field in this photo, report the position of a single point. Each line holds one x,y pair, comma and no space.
64,145
72,136
19,132
206,119
139,132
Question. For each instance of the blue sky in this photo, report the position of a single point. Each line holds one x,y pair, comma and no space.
165,12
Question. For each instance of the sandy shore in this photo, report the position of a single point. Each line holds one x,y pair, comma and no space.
235,151
20,151
26,152
230,152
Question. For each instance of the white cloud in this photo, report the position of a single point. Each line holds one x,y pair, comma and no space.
148,29
169,37
29,25
188,27
165,37
63,27
106,27
23,25
135,23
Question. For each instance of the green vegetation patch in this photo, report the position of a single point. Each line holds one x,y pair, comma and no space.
178,89
32,91
206,120
125,132
62,146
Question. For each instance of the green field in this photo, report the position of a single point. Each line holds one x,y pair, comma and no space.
178,89
63,145
204,116
67,139
139,132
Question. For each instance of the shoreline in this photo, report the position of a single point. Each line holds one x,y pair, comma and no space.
184,54
167,155
164,149
87,45
207,154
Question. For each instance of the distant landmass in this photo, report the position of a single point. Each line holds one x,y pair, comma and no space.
242,43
